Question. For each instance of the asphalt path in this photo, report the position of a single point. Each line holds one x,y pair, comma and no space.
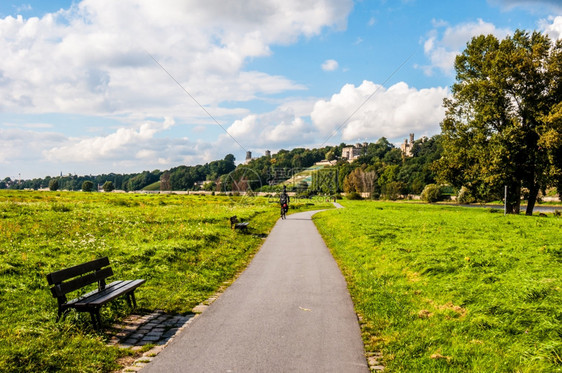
289,311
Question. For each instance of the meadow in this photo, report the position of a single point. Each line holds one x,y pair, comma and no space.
182,245
452,289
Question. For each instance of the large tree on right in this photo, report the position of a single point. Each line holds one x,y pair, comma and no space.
503,123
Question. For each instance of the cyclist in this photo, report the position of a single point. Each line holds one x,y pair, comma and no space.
284,200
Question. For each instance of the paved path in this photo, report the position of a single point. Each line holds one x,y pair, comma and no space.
289,311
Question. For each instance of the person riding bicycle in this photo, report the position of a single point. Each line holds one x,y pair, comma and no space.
284,200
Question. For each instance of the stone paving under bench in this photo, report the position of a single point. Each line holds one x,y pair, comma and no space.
137,331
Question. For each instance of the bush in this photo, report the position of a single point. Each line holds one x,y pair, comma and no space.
108,186
392,190
431,193
53,184
354,196
465,197
87,186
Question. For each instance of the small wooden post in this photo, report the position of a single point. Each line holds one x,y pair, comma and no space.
505,201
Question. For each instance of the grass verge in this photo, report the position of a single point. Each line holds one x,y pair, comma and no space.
451,289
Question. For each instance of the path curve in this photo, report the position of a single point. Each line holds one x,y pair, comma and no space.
289,311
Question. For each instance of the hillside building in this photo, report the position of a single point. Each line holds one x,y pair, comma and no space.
407,147
351,153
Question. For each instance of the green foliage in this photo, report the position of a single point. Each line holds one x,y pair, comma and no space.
451,289
353,196
108,186
464,196
503,124
143,179
431,193
326,181
184,177
53,185
87,186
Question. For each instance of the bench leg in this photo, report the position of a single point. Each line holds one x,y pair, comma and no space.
131,298
96,318
62,313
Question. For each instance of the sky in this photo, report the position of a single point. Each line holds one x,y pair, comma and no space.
101,86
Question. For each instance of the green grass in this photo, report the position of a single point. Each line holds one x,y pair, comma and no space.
451,289
152,187
182,245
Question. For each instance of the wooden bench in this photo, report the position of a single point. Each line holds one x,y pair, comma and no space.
74,278
235,224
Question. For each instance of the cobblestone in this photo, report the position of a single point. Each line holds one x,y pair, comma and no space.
136,331
156,328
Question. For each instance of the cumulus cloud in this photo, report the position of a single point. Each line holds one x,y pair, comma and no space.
445,42
281,127
330,65
391,112
92,57
107,147
368,111
553,27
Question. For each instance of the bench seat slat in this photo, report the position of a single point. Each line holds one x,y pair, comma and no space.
80,269
112,291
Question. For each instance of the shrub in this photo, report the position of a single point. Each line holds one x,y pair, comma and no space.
108,186
431,193
354,196
53,184
392,190
87,186
465,197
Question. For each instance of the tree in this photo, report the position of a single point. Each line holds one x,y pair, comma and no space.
53,185
108,186
87,186
502,125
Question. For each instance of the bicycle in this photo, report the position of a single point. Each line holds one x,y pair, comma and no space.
284,209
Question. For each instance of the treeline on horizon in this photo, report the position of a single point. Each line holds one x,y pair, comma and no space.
391,172
178,178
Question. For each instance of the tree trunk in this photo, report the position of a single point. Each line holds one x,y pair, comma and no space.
513,203
533,193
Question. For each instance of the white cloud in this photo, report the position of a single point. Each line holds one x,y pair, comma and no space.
121,142
281,127
123,151
330,65
23,145
91,58
553,27
445,42
391,112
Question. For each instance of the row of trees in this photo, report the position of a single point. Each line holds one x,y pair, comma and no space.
178,178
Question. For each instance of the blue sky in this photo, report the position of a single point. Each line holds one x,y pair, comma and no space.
99,86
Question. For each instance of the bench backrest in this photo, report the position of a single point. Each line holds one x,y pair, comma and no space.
74,278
